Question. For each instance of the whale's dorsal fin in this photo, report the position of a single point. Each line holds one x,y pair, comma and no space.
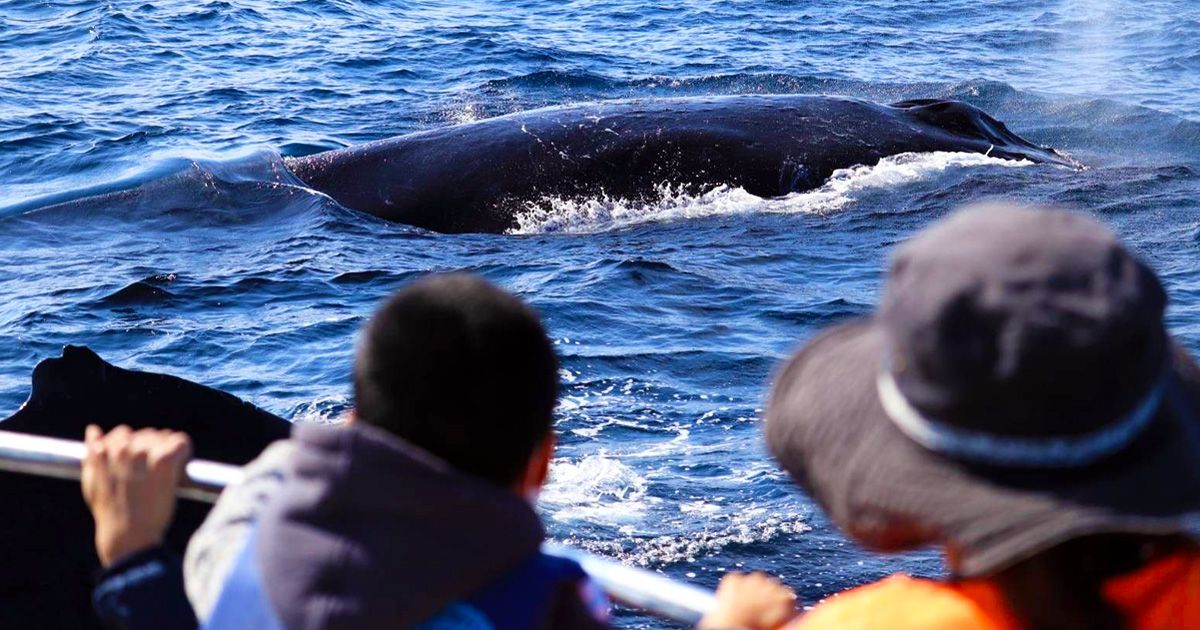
962,119
80,388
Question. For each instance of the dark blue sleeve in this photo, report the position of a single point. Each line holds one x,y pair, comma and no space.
144,592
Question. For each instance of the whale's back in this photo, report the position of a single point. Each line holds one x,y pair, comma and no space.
477,177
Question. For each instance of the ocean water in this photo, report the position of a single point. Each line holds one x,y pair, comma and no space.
669,316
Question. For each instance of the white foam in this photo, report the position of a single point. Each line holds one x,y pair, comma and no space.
605,491
596,487
747,526
556,214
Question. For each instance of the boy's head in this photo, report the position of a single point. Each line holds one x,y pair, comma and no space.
462,369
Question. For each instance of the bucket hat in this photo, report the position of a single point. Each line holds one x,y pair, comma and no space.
1015,388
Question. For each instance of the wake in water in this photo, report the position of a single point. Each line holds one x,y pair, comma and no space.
844,187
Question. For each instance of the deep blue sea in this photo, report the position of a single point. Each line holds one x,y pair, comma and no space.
669,316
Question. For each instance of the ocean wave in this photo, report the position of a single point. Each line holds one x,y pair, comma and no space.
330,410
672,203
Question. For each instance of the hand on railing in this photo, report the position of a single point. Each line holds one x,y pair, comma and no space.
753,601
129,480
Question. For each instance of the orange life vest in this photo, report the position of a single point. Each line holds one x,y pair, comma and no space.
1164,594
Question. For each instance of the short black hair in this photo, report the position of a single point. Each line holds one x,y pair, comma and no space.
462,369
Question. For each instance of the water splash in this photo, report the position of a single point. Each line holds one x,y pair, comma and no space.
672,203
595,486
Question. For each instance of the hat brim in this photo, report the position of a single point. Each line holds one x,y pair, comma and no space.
826,427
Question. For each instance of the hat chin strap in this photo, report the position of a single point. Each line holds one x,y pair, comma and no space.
1017,452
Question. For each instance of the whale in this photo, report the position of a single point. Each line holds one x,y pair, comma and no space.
48,562
480,176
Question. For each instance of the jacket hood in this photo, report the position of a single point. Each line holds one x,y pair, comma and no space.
369,531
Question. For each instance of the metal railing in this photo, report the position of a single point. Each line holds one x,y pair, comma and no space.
634,587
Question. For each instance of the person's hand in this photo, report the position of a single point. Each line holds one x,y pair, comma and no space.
129,480
753,600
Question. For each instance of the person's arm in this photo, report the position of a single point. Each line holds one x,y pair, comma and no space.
144,591
750,601
129,479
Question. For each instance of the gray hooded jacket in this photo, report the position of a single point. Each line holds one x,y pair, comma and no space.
358,529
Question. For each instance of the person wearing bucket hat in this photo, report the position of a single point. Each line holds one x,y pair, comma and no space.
1017,400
